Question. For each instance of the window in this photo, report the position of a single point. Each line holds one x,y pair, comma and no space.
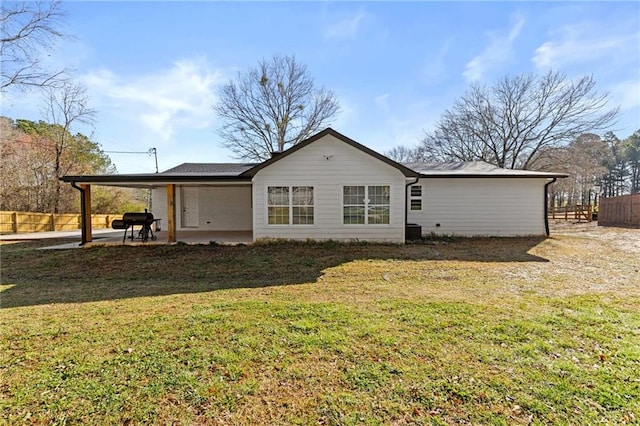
416,197
278,205
353,200
366,205
290,205
302,205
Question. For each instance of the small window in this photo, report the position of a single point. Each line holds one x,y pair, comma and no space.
290,205
416,197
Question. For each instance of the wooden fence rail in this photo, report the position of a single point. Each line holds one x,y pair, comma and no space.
578,212
19,222
620,211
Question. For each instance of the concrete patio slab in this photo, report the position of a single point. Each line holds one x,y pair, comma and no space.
111,237
186,237
53,234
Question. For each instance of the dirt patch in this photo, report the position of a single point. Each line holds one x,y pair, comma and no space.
623,238
583,258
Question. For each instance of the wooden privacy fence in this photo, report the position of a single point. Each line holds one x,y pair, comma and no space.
18,222
578,212
620,211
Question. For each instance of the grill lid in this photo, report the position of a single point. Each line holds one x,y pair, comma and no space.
134,218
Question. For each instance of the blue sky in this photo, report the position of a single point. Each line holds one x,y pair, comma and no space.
153,69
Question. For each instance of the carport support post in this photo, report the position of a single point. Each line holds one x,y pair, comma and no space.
86,213
171,212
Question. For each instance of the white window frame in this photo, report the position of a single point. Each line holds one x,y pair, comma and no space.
367,205
290,206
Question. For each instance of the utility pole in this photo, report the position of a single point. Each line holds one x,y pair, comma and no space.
155,154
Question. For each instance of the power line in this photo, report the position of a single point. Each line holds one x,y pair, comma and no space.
72,148
128,152
150,151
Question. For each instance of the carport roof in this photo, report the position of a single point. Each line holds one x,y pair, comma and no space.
183,173
210,169
147,180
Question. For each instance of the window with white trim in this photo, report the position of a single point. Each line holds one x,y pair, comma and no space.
302,205
290,205
416,197
366,205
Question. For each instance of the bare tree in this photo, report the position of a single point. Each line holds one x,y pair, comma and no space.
403,154
585,160
510,123
271,108
64,107
27,30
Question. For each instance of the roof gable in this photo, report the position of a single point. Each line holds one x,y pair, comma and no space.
329,131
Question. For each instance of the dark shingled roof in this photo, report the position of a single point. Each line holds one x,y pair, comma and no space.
209,169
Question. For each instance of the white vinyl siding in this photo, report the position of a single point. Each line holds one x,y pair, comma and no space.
328,165
481,206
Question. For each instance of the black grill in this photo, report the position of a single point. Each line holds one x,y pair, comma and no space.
132,219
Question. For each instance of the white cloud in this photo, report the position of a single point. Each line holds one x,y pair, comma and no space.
435,66
382,101
626,94
584,42
345,29
348,112
497,52
164,101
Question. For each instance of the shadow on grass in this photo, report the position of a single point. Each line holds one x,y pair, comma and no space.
36,277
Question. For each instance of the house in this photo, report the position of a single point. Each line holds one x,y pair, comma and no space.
331,187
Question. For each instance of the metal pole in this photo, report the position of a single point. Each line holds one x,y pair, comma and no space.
155,154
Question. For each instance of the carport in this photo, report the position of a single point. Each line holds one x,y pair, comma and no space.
168,183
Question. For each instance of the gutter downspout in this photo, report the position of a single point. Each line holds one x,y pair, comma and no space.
82,214
406,209
546,202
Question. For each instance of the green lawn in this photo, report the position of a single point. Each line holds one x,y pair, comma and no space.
482,331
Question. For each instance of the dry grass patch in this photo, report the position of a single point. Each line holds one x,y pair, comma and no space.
482,331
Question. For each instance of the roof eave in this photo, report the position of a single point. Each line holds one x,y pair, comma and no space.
150,179
492,176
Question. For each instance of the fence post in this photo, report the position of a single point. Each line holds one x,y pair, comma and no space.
14,220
